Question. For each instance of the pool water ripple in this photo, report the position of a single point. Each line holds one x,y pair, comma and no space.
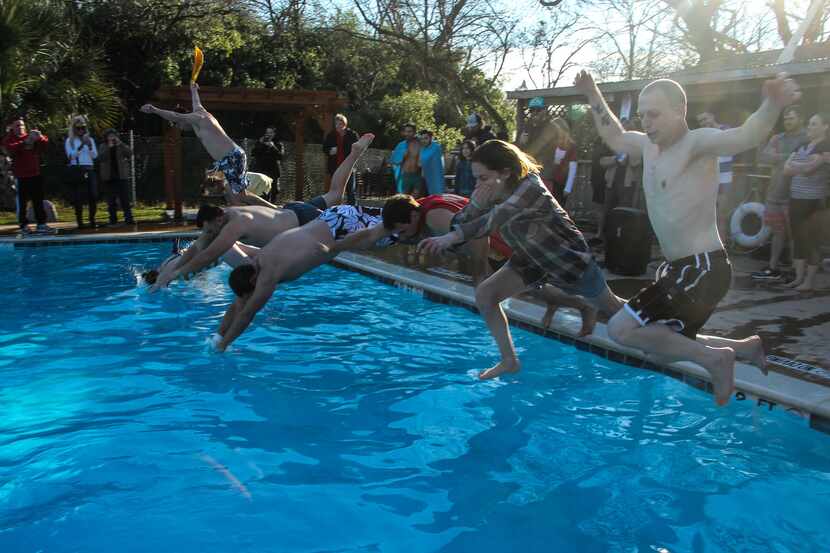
349,418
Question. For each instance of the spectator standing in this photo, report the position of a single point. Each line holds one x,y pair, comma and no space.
464,179
25,149
432,163
114,166
268,153
776,212
81,154
560,165
808,190
477,131
337,146
405,161
706,119
624,176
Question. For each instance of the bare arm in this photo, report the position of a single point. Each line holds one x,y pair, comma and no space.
608,126
361,240
803,167
245,313
227,238
230,315
194,97
778,94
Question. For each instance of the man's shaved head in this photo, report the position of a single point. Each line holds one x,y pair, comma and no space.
672,91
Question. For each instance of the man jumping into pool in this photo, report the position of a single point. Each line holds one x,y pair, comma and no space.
289,256
680,180
228,156
226,229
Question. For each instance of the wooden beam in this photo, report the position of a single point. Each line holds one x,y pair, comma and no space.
299,154
173,170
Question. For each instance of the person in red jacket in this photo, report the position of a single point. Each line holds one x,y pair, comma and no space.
25,149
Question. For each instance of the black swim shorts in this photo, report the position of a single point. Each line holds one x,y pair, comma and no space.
685,292
307,211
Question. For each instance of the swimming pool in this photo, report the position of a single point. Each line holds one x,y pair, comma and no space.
348,419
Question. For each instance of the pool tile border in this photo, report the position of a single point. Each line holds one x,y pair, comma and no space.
753,394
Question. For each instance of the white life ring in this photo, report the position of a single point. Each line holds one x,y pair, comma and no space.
736,225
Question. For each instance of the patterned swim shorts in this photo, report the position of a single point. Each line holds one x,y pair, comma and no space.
235,167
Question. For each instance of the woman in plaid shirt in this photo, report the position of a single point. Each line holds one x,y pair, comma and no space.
549,252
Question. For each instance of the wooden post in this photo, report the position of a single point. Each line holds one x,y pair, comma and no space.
173,170
521,106
299,154
326,122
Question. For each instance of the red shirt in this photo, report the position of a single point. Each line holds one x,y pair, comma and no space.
454,204
25,157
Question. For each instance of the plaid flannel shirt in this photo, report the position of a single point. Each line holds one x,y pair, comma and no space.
545,241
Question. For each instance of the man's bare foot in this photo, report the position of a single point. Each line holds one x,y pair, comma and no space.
547,318
755,354
498,370
804,287
722,370
363,143
793,284
589,320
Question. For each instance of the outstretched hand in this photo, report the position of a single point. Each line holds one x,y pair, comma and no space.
436,244
584,82
782,91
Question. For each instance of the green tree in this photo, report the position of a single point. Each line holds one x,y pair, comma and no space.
416,107
47,72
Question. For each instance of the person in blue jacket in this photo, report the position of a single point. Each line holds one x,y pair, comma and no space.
432,163
404,161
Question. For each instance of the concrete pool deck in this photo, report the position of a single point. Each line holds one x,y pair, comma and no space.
795,326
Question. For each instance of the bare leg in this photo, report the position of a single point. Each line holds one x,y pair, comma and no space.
778,239
672,346
750,349
800,266
248,198
556,298
503,284
479,251
239,254
343,173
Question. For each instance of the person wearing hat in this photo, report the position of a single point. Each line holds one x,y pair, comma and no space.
114,170
477,131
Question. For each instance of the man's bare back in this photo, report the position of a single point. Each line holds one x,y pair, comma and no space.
297,251
261,224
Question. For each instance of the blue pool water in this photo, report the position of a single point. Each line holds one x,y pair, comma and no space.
348,419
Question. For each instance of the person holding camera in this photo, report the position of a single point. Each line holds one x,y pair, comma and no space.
268,153
81,153
25,149
114,166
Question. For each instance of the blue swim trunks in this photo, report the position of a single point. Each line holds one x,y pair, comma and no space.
235,167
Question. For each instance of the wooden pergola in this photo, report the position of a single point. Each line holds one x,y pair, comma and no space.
320,105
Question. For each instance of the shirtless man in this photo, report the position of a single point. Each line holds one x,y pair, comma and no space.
225,229
289,256
680,179
229,158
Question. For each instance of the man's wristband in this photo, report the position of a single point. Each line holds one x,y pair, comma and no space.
475,204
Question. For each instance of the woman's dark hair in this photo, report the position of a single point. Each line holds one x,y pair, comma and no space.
398,210
207,213
498,155
409,126
471,144
242,280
